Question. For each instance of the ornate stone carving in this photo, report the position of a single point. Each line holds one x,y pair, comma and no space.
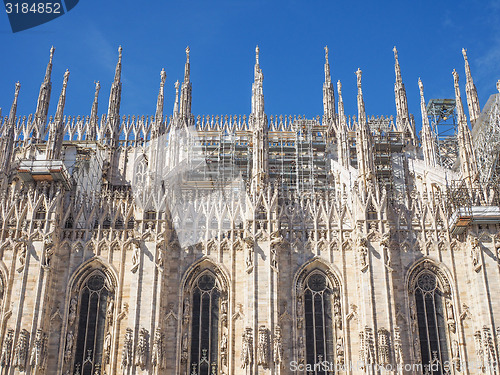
455,355
475,253
363,253
398,349
38,351
452,325
186,316
184,347
68,352
300,312
249,252
142,350
72,310
127,351
7,348
263,347
158,352
21,351
339,352
301,350
107,348
383,347
223,348
22,252
278,347
136,256
337,312
247,348
479,349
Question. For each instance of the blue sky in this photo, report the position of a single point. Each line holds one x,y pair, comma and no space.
222,36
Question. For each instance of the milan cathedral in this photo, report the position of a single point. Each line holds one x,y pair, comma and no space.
251,244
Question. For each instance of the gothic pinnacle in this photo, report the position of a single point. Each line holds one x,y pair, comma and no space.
118,70
428,146
257,88
364,151
471,92
56,131
176,103
62,97
186,90
115,99
42,107
48,72
468,161
187,68
329,116
92,131
7,140
160,101
13,109
343,148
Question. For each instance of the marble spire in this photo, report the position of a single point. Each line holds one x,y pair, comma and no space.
7,140
471,92
468,163
364,148
93,124
329,117
428,141
186,90
403,123
56,131
342,133
42,107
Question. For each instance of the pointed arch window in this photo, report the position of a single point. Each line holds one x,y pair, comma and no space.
319,310
204,325
88,322
430,313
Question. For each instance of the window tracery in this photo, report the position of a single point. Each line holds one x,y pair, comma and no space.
432,317
319,320
88,341
204,325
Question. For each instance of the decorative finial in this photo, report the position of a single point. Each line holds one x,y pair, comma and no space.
339,87
97,88
176,85
52,49
421,86
187,53
120,52
66,75
395,50
18,87
498,85
257,50
326,53
358,74
464,52
163,76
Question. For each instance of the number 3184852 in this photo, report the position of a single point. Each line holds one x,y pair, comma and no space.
20,8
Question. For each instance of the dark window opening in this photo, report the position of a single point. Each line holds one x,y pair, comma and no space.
429,301
93,302
205,327
319,339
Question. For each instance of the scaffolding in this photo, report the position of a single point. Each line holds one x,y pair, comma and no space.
443,119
